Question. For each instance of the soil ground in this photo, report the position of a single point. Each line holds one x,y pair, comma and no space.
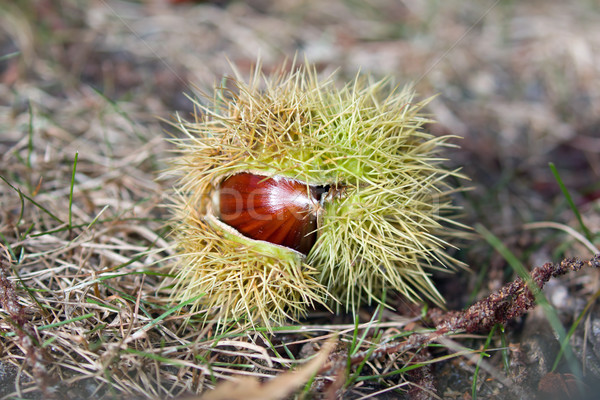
84,86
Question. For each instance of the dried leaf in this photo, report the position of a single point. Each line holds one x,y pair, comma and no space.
280,387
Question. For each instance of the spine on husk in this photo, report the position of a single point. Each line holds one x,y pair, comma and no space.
370,178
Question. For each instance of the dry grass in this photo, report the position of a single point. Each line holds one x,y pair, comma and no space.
85,246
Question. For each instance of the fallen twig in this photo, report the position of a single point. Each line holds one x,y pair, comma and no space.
512,301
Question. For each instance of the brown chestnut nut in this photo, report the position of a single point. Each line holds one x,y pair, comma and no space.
277,210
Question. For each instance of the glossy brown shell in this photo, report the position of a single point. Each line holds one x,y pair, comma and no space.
277,210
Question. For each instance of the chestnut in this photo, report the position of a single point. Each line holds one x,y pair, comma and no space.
277,210
294,192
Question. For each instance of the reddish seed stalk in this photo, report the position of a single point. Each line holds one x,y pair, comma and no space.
512,301
27,337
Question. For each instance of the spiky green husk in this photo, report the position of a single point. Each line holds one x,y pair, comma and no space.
383,230
241,280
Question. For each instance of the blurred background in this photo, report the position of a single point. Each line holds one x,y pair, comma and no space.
517,81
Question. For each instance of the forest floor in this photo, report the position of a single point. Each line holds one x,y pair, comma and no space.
84,234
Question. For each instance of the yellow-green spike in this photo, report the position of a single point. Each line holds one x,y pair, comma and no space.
381,220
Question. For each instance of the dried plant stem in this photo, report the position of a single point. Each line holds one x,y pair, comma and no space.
512,301
423,387
28,340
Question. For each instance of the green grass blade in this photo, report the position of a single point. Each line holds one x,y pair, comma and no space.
483,354
54,325
170,311
8,56
567,195
30,137
71,190
540,299
68,321
353,345
35,203
505,359
565,343
8,246
154,357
